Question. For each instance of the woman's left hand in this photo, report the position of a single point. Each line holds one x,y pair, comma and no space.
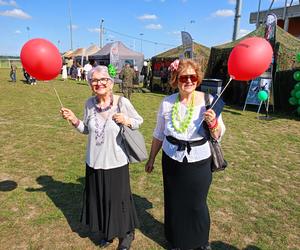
119,118
209,117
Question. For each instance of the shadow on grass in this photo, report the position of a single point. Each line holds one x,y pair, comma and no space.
231,112
7,185
219,245
149,226
82,83
68,198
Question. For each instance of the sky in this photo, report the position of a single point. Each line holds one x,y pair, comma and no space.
147,26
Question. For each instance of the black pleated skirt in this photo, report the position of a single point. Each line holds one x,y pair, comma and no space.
108,206
186,185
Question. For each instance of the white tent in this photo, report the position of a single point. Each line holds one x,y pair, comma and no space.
91,50
118,54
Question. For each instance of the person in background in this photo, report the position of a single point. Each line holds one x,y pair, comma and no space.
79,72
127,76
108,206
73,71
64,74
136,77
87,67
164,77
145,73
13,72
69,66
186,159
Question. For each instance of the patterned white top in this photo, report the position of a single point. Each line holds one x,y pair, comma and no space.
194,132
105,149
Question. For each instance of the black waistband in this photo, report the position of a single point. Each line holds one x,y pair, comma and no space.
182,145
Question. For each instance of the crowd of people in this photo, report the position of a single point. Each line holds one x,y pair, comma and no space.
108,205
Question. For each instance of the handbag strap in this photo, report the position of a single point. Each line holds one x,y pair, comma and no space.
119,104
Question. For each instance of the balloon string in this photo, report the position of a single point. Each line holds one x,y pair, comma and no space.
61,105
218,97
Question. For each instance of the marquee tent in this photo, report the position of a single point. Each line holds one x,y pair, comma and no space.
200,54
118,54
68,54
91,50
78,52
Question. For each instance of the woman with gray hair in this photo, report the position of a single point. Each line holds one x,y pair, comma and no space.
108,206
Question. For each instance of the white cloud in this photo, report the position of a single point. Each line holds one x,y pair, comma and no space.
8,3
176,33
18,32
16,13
147,17
243,32
232,1
96,30
223,13
74,27
153,26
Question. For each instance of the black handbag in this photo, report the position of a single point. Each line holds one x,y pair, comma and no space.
134,143
218,162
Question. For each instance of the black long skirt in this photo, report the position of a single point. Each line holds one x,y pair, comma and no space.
108,206
186,185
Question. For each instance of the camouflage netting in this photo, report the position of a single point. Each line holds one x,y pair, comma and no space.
286,49
287,46
201,54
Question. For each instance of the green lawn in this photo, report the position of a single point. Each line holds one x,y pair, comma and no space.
254,204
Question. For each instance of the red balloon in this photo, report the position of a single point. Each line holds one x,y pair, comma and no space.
249,58
41,59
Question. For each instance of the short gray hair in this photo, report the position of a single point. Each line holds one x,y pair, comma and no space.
100,69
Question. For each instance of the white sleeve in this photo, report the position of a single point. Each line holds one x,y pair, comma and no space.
220,120
83,125
135,119
160,124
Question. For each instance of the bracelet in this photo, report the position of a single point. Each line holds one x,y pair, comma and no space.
215,124
214,129
76,124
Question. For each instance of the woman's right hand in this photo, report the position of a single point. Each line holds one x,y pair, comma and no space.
149,166
69,115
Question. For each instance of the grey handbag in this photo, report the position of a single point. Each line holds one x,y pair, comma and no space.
218,162
134,143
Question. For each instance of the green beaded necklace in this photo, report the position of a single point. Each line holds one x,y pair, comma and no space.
183,125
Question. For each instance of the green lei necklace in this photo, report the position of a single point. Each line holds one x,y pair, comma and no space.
183,124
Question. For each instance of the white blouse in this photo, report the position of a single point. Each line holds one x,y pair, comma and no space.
194,132
105,149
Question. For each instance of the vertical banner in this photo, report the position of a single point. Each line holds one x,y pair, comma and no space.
114,55
187,43
264,81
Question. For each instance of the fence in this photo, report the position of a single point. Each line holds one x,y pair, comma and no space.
6,62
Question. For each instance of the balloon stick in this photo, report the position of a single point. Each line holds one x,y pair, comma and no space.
218,96
61,105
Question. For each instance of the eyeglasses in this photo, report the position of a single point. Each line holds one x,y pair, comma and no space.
101,80
184,78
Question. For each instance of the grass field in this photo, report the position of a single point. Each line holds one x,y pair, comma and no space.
254,204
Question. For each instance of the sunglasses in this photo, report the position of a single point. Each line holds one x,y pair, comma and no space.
185,78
